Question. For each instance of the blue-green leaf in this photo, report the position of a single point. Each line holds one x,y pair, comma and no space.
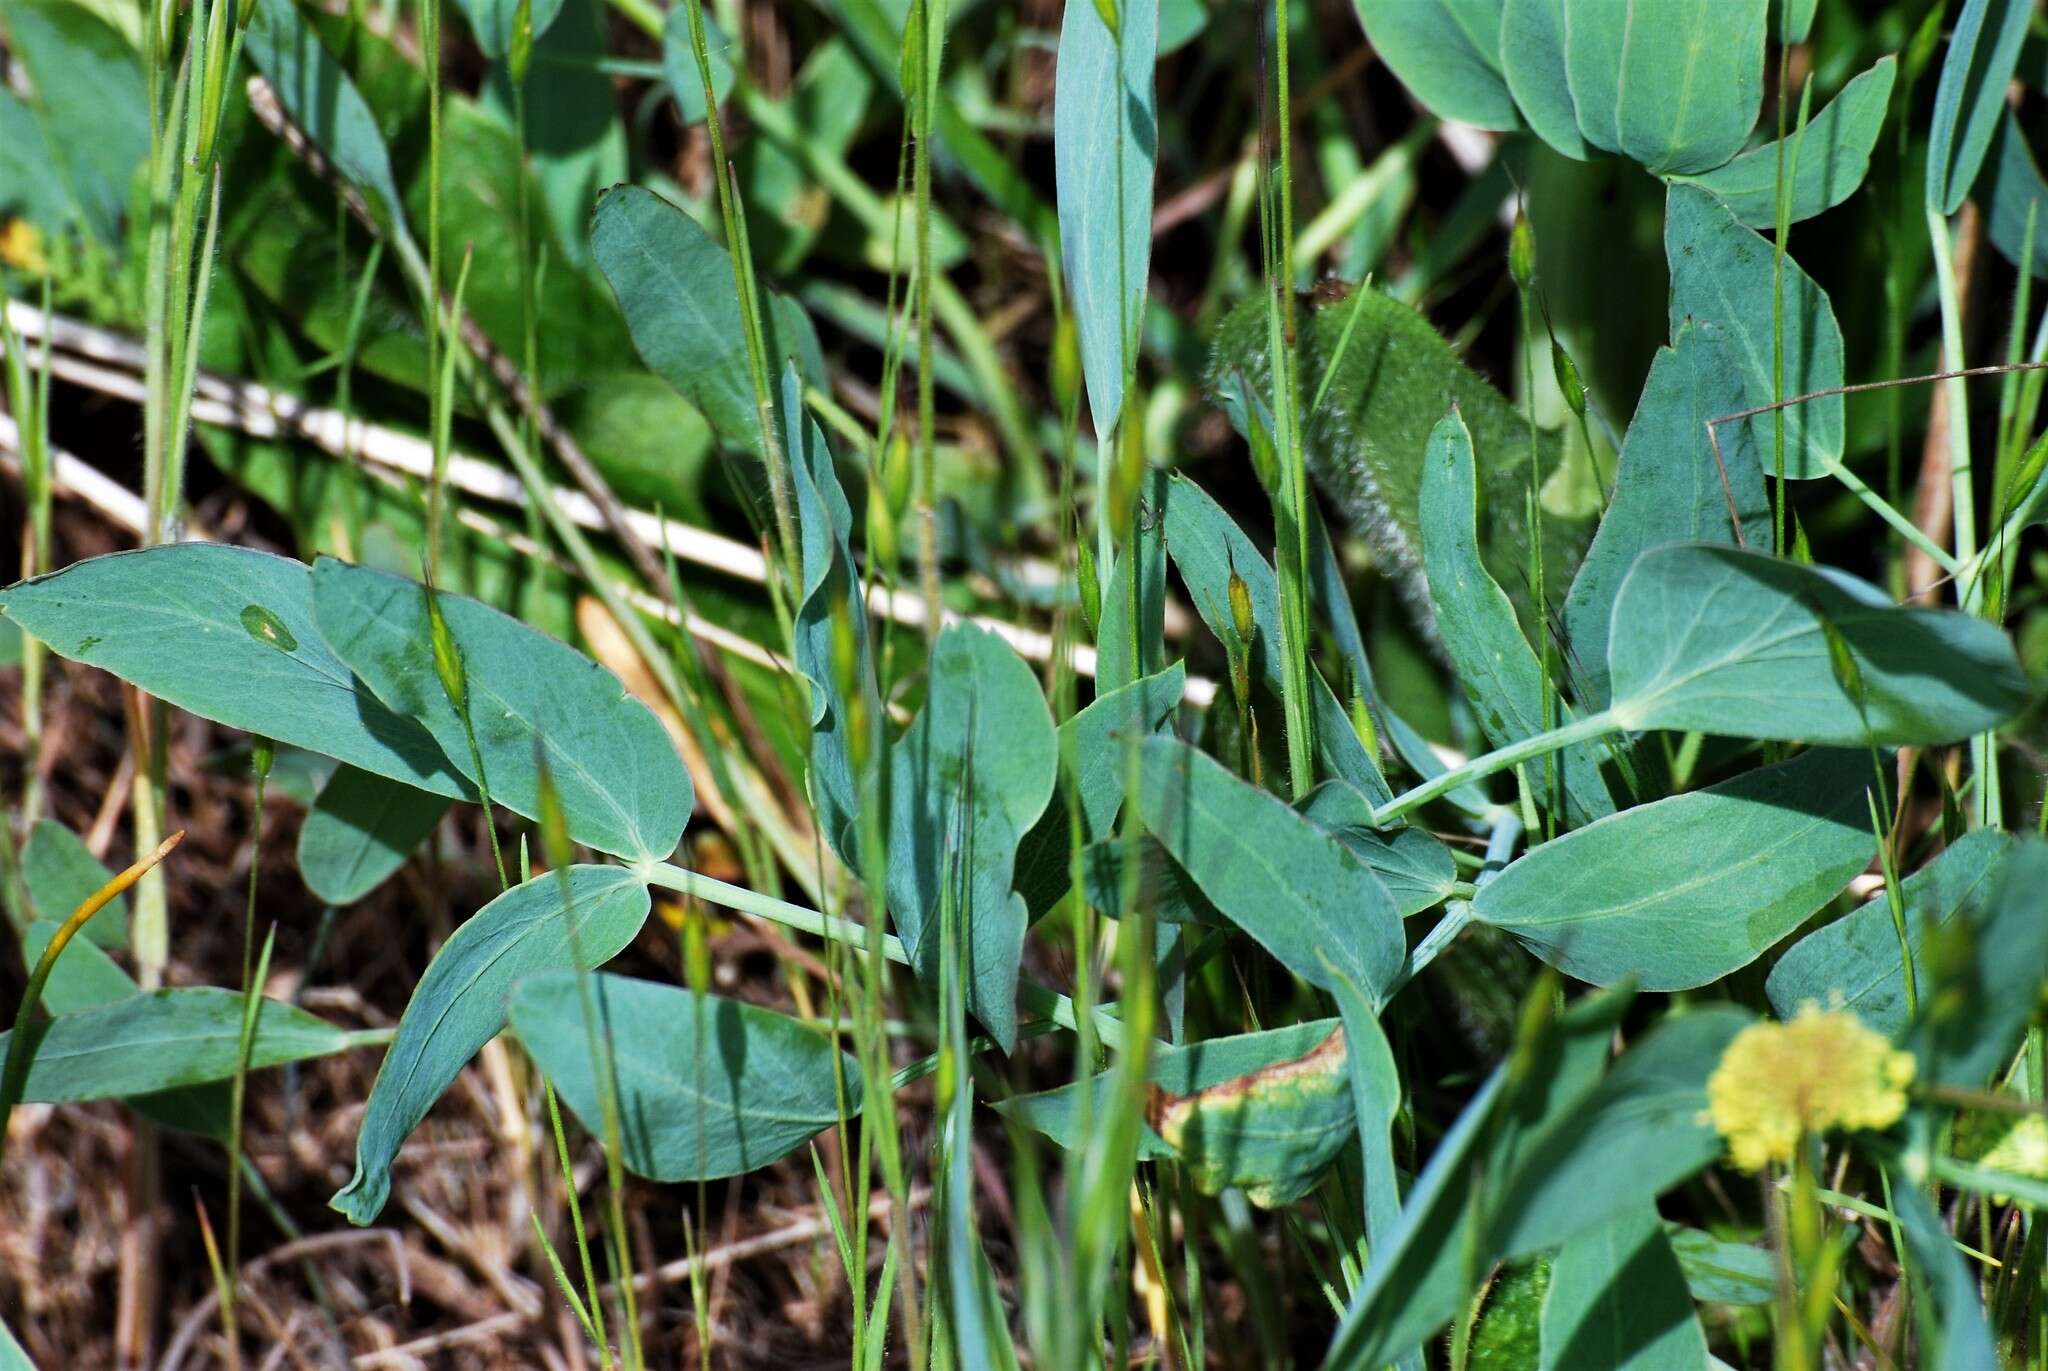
1982,52
1105,143
1307,900
1417,870
675,286
1683,891
360,831
1668,487
1447,55
459,1004
830,620
1720,1272
322,100
1954,1334
1618,1301
164,1039
1725,640
967,781
679,64
2017,194
227,633
1677,90
93,103
1532,61
491,23
707,1087
1722,273
1476,622
623,788
1833,155
576,143
1985,976
61,874
1856,962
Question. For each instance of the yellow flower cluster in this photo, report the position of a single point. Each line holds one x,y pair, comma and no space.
1821,1071
21,247
2023,1151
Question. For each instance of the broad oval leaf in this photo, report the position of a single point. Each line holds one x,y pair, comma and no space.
1105,143
1668,487
1476,624
1446,54
1983,985
1417,870
1720,1272
675,286
93,99
1269,1133
61,874
1618,1300
321,99
623,788
1682,891
1833,154
969,778
707,1086
1723,273
359,831
229,634
459,1004
1278,876
1983,50
2017,195
1533,63
1677,90
1856,963
1725,640
163,1039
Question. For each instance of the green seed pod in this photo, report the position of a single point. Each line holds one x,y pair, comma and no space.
1522,252
1127,477
696,950
896,470
1241,610
1091,589
1361,723
554,822
521,55
262,752
447,656
1568,378
883,544
1066,365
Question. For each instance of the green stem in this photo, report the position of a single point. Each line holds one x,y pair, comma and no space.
1578,731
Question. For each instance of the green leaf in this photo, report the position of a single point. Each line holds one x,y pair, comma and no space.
1105,143
1954,1334
1445,54
1532,61
1718,1272
1685,890
1475,621
360,831
228,634
679,64
12,1358
676,287
1375,1081
61,874
1983,50
1207,546
1509,1334
1417,870
831,631
1092,749
1723,274
1269,1133
1310,902
967,780
706,1087
1390,384
323,101
623,788
92,101
1856,962
1985,977
33,188
166,1038
1724,640
459,1004
2017,192
1618,1301
1833,156
1678,92
1668,487
575,142
1179,1071
1135,619
87,978
491,23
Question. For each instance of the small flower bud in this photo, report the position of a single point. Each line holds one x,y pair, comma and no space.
1568,379
1522,252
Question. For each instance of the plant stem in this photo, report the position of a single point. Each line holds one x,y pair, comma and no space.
1500,759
